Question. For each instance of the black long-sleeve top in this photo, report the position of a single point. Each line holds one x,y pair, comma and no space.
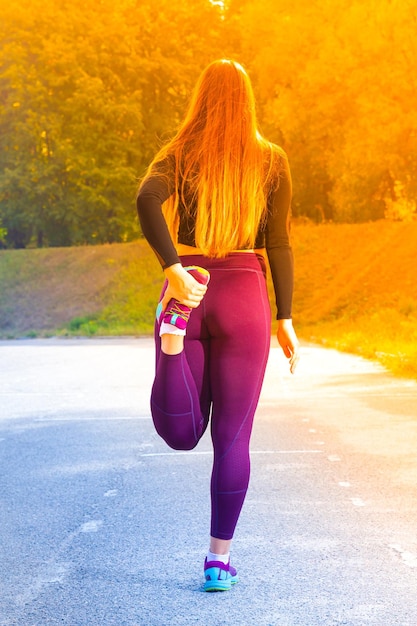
273,234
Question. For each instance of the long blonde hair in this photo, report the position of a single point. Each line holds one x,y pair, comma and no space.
223,166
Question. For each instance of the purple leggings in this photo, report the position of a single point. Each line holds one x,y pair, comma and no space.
220,372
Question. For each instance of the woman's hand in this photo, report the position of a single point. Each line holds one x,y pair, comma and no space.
289,343
183,287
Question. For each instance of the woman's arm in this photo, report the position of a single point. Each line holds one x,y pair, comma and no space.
151,196
181,285
281,263
277,242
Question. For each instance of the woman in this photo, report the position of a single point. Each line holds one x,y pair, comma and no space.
213,199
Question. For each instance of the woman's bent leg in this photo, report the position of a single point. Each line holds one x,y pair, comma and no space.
179,402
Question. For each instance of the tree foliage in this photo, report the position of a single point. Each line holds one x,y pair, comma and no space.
339,89
88,91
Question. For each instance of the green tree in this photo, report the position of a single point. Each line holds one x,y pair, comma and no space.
88,92
85,93
337,89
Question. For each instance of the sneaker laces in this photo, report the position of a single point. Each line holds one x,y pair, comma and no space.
175,309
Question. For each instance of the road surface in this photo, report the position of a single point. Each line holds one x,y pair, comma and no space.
101,524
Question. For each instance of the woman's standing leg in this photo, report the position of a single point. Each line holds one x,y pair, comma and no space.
239,323
240,343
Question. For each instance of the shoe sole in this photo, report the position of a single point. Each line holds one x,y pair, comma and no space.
217,588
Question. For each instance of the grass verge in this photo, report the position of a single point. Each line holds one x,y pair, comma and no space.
356,290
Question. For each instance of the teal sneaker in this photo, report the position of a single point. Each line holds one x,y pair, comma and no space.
219,576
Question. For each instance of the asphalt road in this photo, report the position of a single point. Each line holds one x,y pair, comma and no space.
101,524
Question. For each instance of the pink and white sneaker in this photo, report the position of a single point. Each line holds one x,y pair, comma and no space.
176,315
